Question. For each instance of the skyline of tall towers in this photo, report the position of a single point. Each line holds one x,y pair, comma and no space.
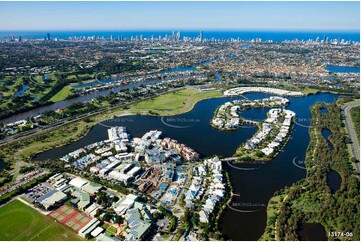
175,36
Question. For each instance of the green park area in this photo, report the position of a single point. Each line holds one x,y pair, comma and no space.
176,102
18,221
111,230
308,91
272,213
18,94
61,95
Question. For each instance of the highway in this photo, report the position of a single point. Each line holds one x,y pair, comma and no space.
355,145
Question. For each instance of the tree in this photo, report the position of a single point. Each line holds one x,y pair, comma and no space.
158,215
106,217
88,236
118,220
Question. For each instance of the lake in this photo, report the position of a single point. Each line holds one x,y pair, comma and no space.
312,232
326,133
21,91
218,77
334,181
343,69
246,217
2,165
323,110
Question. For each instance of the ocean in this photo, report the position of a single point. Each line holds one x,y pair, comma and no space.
221,35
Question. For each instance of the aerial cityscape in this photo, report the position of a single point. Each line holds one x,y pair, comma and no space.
179,121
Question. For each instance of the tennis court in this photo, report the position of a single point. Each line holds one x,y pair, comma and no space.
57,216
81,218
67,210
70,217
73,225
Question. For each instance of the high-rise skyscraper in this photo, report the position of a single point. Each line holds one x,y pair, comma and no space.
201,36
47,36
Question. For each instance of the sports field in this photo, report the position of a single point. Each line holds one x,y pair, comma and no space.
18,221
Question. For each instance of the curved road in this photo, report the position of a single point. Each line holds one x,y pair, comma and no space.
350,129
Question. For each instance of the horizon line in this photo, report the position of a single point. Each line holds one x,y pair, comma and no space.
186,29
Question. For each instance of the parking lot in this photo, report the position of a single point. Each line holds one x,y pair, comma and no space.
38,191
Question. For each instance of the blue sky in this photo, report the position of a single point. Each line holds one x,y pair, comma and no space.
179,15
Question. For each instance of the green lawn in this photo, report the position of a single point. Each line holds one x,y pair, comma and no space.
10,89
61,95
111,230
21,222
55,138
307,91
176,102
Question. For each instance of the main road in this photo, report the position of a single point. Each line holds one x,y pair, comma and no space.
350,129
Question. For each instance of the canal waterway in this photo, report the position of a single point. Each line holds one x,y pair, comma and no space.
91,95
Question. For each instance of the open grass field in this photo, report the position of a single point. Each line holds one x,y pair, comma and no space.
176,102
20,222
56,137
307,91
61,95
